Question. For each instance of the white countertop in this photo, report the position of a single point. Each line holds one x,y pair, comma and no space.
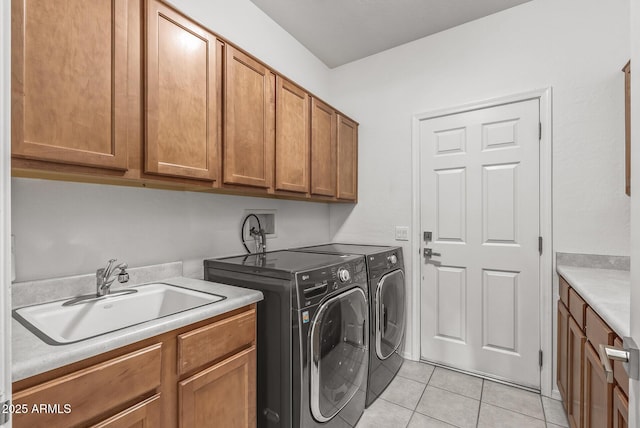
31,356
607,291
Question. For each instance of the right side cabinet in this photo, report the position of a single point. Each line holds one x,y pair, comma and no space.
590,401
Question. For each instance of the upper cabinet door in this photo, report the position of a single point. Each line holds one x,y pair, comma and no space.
69,81
182,97
292,137
347,159
249,121
323,149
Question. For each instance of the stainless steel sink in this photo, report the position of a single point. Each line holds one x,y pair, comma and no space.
60,323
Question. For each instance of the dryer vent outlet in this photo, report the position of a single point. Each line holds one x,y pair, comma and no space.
267,221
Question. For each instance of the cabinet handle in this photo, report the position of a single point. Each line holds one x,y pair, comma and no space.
611,353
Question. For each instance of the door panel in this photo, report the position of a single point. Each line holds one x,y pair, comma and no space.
451,303
347,162
323,149
500,310
249,133
480,198
292,137
69,81
182,105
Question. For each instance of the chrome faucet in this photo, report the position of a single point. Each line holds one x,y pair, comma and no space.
260,238
106,276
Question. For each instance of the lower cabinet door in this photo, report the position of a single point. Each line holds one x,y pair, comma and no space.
143,415
563,329
598,409
620,409
575,372
223,395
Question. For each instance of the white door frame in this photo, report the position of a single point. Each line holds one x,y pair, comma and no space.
5,202
546,261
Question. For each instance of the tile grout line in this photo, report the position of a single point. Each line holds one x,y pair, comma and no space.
544,413
480,404
421,395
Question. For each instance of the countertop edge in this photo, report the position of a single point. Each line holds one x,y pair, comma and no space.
612,317
31,356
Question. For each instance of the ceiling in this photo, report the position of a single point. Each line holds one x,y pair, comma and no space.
341,31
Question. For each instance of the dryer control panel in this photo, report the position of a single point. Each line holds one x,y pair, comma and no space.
315,285
384,262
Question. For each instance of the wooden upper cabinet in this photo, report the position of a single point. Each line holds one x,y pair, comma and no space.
292,137
323,149
249,124
183,75
69,81
347,163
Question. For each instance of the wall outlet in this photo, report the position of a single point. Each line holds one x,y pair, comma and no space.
402,233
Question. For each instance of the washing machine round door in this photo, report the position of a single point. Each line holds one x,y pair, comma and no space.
390,314
339,343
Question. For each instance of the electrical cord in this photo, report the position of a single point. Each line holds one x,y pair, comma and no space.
244,223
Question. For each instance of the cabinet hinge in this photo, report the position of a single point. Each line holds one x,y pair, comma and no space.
539,131
540,357
4,414
540,245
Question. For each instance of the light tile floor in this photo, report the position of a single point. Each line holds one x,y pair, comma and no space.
423,396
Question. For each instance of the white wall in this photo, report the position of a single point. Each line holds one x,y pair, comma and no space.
66,228
71,228
244,24
578,47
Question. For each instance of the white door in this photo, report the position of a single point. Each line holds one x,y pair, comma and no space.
480,199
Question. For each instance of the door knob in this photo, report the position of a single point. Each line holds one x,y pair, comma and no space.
428,253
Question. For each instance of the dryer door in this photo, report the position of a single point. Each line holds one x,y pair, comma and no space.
389,313
339,343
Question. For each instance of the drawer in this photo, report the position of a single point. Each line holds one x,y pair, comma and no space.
564,291
212,342
577,307
91,391
145,414
619,373
597,330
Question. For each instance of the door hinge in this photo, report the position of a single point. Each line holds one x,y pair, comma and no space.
539,131
4,414
540,357
540,244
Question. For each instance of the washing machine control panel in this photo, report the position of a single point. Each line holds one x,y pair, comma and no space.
315,285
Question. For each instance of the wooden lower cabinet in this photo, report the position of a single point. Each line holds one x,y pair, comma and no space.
563,330
598,408
153,383
576,341
620,409
590,401
143,415
220,396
